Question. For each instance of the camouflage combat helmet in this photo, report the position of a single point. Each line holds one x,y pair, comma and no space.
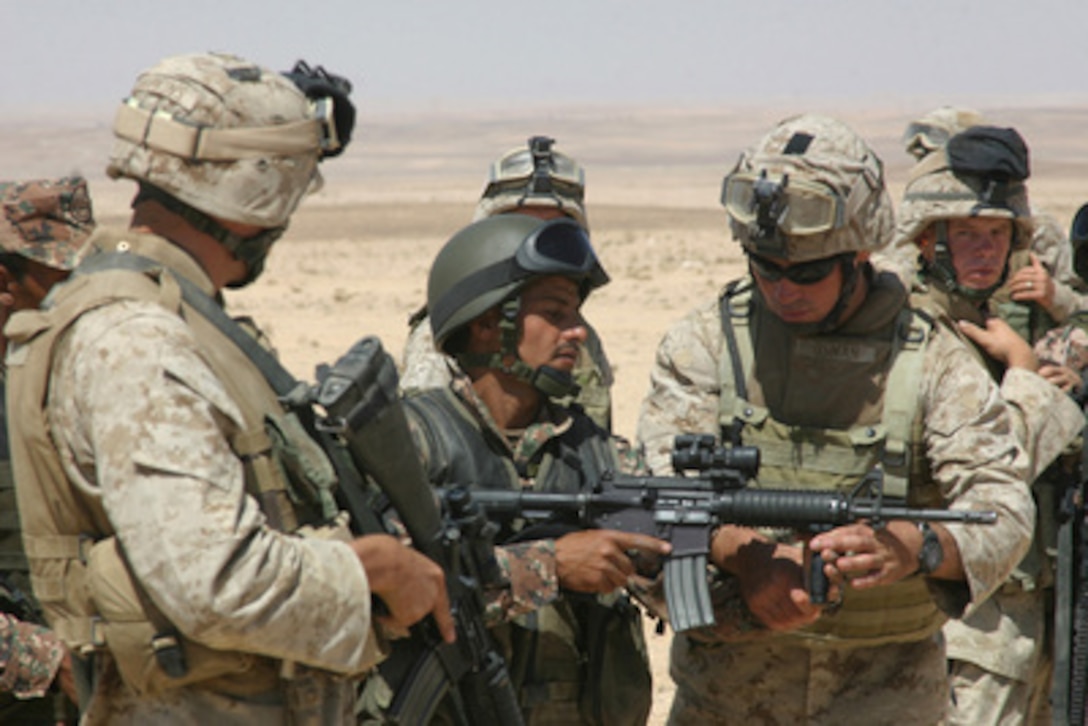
810,189
213,136
933,130
46,220
487,264
980,172
534,176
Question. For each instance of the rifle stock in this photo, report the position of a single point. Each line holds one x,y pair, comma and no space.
359,394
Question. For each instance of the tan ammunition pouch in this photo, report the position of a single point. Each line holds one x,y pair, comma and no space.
140,638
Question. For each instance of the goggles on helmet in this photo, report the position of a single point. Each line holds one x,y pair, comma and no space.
537,171
927,135
795,207
559,247
799,273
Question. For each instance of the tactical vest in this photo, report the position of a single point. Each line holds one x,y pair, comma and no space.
78,571
582,659
869,386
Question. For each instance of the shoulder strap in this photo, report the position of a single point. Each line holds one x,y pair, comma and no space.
735,311
282,382
902,393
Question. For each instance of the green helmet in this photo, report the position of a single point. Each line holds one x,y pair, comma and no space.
810,189
933,130
488,263
534,176
980,172
215,136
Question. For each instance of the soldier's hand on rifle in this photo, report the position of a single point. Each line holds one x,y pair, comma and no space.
596,560
411,585
771,577
868,557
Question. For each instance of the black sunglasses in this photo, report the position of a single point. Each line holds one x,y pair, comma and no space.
801,273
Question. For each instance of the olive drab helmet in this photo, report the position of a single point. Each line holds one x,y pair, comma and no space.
487,264
980,172
933,130
213,136
535,175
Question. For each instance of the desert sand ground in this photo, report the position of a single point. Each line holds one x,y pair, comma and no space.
355,260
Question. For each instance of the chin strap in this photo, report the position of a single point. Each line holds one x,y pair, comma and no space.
252,251
550,381
942,271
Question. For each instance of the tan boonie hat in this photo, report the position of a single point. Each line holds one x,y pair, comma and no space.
46,220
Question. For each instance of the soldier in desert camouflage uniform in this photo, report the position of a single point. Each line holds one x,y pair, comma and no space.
179,523
1057,291
815,359
544,183
1066,347
966,208
44,226
504,296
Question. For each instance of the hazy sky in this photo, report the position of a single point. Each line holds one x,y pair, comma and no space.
447,53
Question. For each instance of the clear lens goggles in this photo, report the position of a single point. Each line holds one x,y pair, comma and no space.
561,247
926,135
800,207
537,170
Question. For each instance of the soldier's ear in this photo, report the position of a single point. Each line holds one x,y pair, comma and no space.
484,331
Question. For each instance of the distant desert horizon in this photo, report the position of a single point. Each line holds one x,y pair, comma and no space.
356,257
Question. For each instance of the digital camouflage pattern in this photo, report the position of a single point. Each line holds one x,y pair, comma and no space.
136,411
255,180
1067,345
723,684
46,220
30,656
835,157
974,460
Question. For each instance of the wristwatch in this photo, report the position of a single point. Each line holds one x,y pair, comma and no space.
931,555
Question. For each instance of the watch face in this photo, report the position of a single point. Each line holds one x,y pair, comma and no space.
931,556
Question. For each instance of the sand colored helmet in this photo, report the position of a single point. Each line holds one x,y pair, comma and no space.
810,189
535,175
980,173
46,220
215,137
933,130
491,260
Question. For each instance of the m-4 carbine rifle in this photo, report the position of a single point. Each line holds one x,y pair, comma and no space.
359,393
686,510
